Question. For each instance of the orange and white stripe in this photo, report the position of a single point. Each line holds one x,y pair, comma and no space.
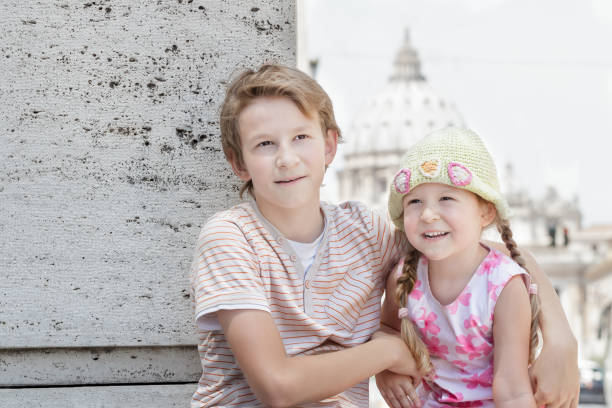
243,262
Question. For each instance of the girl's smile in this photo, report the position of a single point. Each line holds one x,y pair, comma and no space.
434,235
444,222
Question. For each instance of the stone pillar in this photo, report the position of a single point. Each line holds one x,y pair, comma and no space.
110,163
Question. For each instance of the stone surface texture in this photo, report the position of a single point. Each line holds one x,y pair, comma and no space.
142,396
110,162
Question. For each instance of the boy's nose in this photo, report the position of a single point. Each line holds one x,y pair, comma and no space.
429,215
286,157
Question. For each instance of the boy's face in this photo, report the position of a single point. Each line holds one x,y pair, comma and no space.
284,154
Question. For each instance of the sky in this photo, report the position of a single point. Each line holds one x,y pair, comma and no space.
534,79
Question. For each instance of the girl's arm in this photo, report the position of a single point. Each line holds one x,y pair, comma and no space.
554,374
511,332
279,380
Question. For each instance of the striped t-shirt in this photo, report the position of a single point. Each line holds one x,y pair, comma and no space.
241,261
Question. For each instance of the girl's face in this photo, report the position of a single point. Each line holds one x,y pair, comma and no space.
441,221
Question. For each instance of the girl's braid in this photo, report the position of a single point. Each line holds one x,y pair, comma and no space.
503,226
405,283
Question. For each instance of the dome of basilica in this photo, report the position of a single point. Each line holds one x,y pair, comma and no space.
401,114
404,111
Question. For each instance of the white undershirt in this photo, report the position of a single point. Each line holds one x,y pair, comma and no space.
306,252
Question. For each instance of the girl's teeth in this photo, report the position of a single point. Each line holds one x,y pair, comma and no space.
435,234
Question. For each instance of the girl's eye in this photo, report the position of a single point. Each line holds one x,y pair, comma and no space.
413,201
446,198
301,137
264,143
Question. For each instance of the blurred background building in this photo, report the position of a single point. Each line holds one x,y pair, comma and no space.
577,259
402,113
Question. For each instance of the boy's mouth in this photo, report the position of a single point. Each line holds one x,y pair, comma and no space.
289,180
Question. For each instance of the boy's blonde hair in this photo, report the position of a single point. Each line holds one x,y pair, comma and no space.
271,80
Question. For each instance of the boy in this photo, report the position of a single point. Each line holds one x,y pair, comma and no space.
287,289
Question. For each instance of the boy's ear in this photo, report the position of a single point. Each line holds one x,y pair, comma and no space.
489,212
331,145
238,168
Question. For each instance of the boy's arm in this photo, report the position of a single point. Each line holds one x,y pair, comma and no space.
225,272
279,380
554,374
512,320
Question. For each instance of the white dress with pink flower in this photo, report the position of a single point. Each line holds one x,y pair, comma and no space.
459,336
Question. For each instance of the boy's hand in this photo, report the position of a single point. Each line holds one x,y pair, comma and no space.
405,364
397,390
555,376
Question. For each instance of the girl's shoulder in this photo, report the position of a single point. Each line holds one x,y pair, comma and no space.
396,272
497,261
499,268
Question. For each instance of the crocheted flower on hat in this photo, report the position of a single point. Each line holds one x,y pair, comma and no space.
401,182
459,174
430,168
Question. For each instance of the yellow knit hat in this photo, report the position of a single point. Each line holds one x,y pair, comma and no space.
452,156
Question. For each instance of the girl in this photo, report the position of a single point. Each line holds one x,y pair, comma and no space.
468,313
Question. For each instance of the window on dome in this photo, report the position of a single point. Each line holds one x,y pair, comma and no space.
407,123
426,101
442,104
431,124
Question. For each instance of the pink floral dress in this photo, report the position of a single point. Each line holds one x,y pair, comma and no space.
459,336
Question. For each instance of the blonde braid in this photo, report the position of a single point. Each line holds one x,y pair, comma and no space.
411,337
503,226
